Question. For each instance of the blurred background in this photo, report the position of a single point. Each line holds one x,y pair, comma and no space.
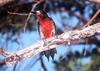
81,55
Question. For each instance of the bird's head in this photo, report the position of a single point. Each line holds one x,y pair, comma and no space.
41,14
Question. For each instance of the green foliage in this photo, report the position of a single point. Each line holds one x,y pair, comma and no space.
76,64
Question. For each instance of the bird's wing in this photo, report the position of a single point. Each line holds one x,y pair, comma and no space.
40,31
54,27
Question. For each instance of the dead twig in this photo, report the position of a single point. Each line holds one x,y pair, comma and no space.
90,21
18,14
29,15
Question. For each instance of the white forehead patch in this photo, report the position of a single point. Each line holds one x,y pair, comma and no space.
38,12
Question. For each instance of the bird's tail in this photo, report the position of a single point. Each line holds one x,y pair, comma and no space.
50,53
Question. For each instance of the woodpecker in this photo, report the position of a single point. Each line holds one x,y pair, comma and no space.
46,28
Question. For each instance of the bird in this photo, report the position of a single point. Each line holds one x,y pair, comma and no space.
46,29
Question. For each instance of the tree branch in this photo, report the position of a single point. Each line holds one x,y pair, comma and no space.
53,42
18,14
95,1
3,2
93,18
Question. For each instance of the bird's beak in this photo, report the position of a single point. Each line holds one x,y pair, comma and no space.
33,12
